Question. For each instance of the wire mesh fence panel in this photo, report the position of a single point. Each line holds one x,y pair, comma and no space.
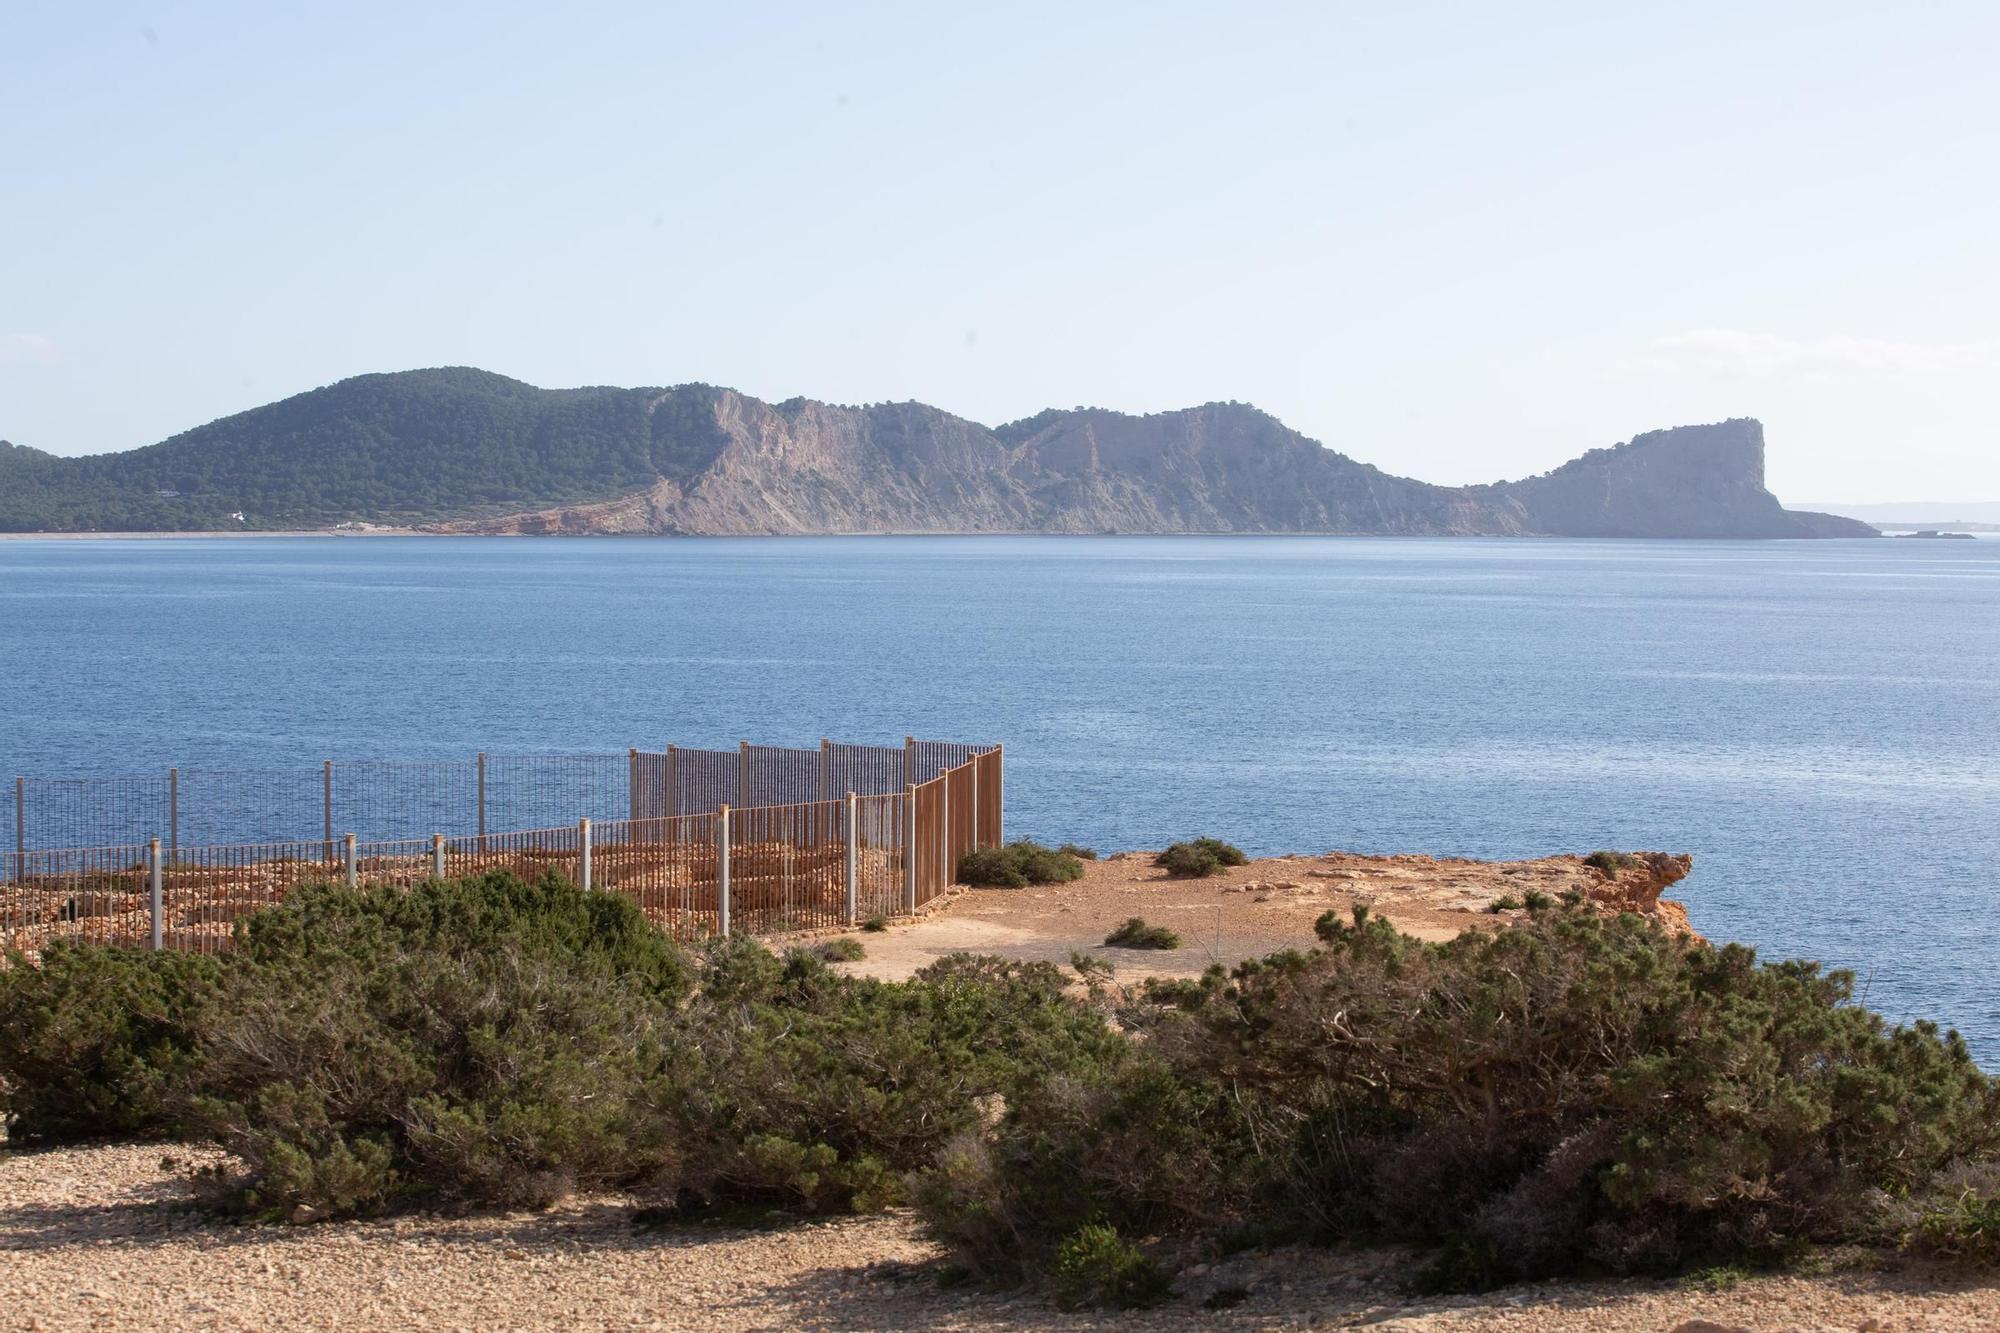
878,855
391,801
227,807
930,758
649,785
787,867
780,776
527,853
669,868
961,818
866,770
705,780
206,890
988,830
100,895
548,790
928,839
55,814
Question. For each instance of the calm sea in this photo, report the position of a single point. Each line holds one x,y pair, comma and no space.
1819,723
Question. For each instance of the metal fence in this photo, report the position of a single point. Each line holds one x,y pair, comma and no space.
768,867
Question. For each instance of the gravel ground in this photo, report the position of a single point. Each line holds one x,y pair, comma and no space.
104,1238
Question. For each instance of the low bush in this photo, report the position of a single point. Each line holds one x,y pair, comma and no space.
1017,865
1136,934
1567,1093
1611,862
1097,1266
1200,858
876,924
92,1040
845,949
1080,853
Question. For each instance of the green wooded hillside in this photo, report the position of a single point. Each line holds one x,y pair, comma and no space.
344,452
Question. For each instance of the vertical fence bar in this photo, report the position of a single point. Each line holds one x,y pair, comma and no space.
20,830
909,849
482,800
825,770
999,796
722,871
437,856
632,782
909,761
156,895
975,801
583,854
743,773
350,872
174,811
326,805
947,872
673,786
853,867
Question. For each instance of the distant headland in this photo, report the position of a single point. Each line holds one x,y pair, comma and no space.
459,450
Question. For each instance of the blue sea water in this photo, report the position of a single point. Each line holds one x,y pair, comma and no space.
1819,723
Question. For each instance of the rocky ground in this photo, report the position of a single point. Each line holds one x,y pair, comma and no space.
106,1238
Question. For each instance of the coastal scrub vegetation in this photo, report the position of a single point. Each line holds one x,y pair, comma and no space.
1017,865
1200,858
1136,934
1566,1093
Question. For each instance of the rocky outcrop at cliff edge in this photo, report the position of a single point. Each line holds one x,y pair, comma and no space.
802,468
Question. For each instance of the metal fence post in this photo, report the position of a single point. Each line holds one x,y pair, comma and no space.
174,812
999,796
722,871
437,856
909,849
326,804
853,866
947,872
583,853
825,769
352,871
743,773
673,782
157,897
909,761
482,800
632,779
20,830
975,801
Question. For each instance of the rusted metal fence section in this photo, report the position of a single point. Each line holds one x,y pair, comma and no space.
765,868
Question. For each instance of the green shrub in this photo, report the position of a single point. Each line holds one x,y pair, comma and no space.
1136,934
875,924
1537,901
845,949
92,1039
482,1041
1200,858
1097,1266
1017,865
1963,1231
1611,862
1569,1093
1080,853
1506,902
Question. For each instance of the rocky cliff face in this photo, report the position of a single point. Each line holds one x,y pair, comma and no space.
808,467
462,450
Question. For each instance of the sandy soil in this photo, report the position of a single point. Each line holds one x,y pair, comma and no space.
105,1238
1245,912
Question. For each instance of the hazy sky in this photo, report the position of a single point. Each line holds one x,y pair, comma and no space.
1463,242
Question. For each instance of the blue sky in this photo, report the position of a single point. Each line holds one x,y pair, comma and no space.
1459,241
